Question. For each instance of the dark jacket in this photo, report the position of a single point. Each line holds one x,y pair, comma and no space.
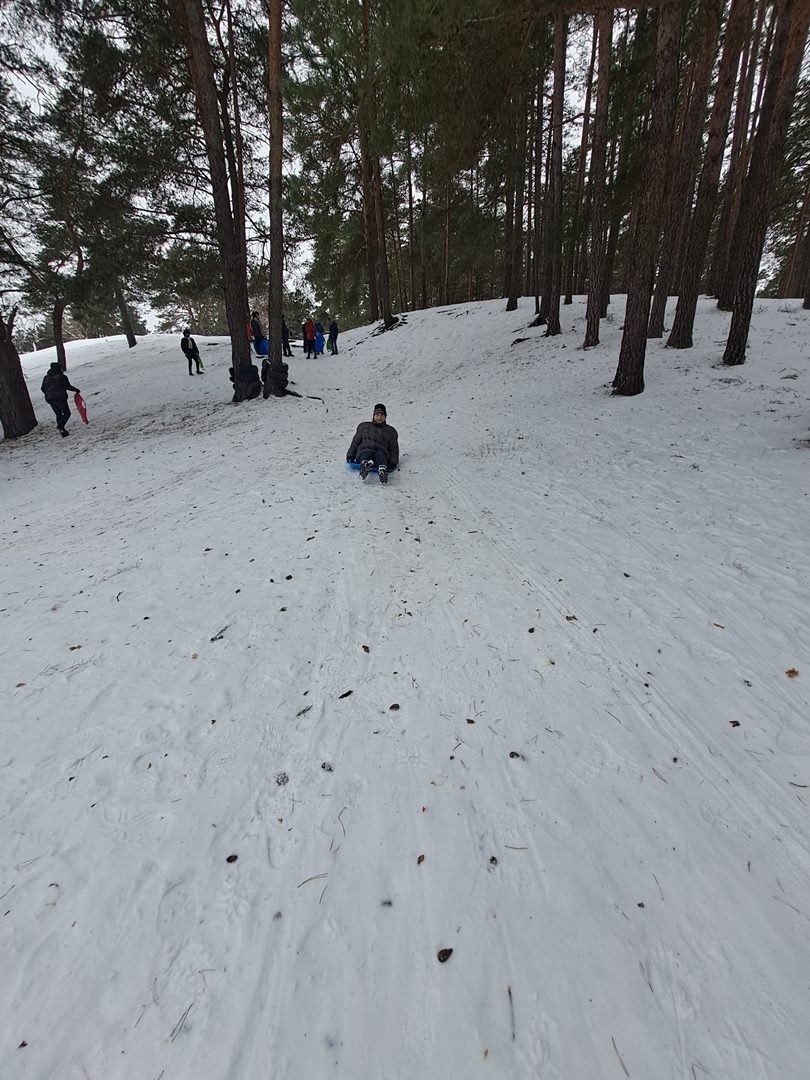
55,385
189,346
371,436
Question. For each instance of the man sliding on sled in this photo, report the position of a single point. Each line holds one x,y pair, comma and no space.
375,444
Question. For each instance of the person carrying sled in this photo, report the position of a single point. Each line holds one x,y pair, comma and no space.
375,443
55,387
191,352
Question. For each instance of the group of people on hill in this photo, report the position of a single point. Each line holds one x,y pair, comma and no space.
313,334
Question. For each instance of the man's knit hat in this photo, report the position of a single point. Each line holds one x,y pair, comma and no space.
381,408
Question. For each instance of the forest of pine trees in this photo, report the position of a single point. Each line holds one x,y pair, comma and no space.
190,156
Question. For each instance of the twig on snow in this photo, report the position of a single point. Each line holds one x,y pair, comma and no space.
619,1056
511,1010
313,878
178,1027
345,808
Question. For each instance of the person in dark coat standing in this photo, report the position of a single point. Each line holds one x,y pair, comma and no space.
375,443
333,336
55,387
285,338
191,352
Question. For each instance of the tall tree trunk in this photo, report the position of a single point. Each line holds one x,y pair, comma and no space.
383,286
509,223
444,297
369,224
737,29
58,323
398,260
539,193
234,271
683,165
411,232
423,228
516,267
792,21
531,150
16,411
123,311
629,378
795,270
275,299
724,259
576,211
603,27
554,229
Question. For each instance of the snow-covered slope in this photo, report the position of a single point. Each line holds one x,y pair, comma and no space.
273,737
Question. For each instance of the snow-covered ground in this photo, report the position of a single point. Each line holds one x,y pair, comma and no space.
273,736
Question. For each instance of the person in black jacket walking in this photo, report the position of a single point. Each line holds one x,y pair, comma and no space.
55,387
191,352
375,443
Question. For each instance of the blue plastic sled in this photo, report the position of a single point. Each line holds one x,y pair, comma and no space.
356,466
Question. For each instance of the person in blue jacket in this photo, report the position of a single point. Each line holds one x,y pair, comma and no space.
320,341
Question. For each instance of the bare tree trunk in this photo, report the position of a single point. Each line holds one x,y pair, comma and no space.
383,286
123,311
369,225
276,379
792,21
738,26
16,411
555,202
629,378
721,281
509,224
515,269
576,211
603,27
531,150
795,271
58,322
539,194
423,229
411,232
682,169
398,260
444,297
234,271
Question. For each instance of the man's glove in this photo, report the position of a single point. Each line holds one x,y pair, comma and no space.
350,457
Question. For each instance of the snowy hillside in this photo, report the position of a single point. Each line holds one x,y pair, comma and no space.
275,737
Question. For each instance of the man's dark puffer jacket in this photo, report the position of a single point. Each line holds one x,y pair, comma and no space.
55,386
371,436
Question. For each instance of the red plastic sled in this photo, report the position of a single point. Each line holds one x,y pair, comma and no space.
81,407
